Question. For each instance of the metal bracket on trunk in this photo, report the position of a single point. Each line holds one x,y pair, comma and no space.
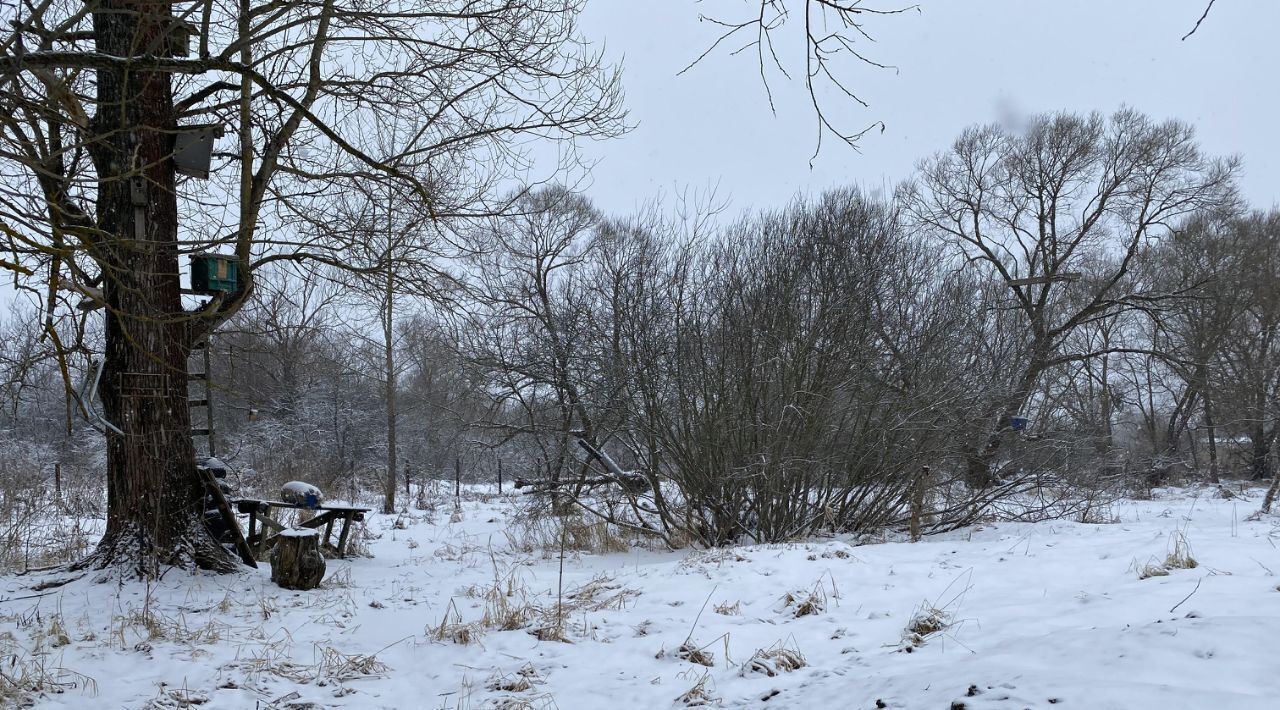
90,412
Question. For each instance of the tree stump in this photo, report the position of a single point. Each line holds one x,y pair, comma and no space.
296,562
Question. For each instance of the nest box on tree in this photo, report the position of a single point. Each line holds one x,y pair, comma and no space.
213,273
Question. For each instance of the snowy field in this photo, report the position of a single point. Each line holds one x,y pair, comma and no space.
463,611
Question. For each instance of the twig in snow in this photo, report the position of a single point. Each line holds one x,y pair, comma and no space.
699,616
1184,599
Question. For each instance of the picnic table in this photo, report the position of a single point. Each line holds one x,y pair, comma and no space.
264,529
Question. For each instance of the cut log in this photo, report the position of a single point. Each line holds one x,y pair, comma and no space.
296,562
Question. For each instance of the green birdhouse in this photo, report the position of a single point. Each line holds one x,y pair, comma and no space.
211,273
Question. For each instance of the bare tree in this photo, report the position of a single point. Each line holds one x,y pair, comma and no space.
1060,215
95,98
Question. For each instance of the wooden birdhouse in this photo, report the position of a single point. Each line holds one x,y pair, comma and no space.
213,273
193,150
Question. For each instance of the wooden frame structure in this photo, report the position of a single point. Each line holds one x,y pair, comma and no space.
264,529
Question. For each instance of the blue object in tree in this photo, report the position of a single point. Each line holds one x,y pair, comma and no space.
1017,423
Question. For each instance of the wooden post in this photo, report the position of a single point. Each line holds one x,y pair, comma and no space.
57,481
457,480
499,476
346,529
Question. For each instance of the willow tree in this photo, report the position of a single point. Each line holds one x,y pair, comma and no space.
97,96
1060,215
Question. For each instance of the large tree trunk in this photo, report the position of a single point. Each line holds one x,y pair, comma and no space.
154,498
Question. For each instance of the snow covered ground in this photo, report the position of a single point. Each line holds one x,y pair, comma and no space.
1038,615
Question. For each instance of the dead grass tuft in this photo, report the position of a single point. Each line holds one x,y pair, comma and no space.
773,661
552,632
927,621
1179,556
701,695
452,629
26,674
693,654
1150,569
800,604
340,667
331,667
522,680
727,609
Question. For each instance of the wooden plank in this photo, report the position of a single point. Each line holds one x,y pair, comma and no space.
265,537
342,538
328,531
224,509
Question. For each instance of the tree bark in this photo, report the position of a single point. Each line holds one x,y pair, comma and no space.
389,355
1260,454
1212,442
154,498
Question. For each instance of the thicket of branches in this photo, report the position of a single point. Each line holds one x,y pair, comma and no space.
1036,320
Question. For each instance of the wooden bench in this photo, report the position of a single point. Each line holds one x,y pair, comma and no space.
264,529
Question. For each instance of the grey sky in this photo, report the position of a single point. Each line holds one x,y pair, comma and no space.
959,62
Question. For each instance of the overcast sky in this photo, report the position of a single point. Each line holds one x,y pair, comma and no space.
958,62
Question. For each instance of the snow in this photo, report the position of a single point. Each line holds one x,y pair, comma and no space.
300,532
213,463
1034,615
298,492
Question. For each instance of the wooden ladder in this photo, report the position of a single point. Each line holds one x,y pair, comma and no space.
205,402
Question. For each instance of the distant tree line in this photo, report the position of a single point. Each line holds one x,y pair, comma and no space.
1035,319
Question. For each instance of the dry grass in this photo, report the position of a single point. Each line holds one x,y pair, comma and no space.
699,560
927,621
512,702
32,537
452,629
701,695
336,666
534,531
551,632
1179,556
507,609
599,594
727,609
691,653
1150,569
27,673
773,661
802,603
143,624
331,666
522,680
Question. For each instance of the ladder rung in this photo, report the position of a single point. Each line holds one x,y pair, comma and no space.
197,402
199,432
197,375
